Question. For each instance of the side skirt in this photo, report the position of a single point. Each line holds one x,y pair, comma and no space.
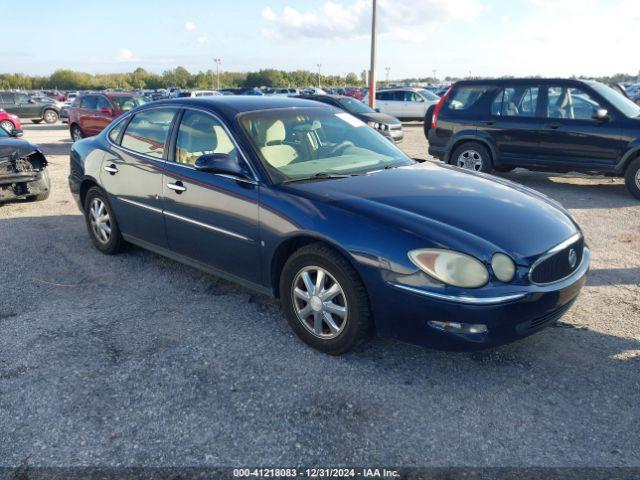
199,265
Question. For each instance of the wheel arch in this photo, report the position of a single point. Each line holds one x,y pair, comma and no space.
85,185
627,158
290,245
471,138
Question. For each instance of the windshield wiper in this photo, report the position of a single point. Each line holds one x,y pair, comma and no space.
321,176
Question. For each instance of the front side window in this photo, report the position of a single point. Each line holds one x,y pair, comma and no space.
622,103
570,103
102,103
148,130
201,134
306,143
89,102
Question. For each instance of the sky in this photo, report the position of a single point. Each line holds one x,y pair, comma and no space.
416,37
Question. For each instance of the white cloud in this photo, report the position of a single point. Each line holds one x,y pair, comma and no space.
404,20
202,40
190,26
125,55
504,20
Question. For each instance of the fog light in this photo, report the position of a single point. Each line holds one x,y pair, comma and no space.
456,327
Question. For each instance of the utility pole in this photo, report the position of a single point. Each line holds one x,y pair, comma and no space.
218,62
319,65
387,69
435,79
372,69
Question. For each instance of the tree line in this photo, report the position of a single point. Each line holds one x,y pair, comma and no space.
177,77
181,77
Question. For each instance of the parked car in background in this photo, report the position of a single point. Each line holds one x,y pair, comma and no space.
633,92
198,93
23,169
354,92
349,232
312,91
390,127
71,96
9,122
92,112
282,92
28,108
542,124
406,103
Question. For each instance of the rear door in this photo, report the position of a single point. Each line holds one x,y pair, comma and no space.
571,136
515,124
86,115
384,102
210,218
132,173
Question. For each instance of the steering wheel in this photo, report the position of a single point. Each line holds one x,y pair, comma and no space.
341,147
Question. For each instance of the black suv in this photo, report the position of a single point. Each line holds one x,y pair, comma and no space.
25,107
541,124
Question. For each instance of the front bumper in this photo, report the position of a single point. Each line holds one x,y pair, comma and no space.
405,311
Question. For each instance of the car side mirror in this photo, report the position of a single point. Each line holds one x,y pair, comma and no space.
16,133
220,163
601,114
107,110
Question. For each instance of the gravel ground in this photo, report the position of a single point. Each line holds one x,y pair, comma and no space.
138,360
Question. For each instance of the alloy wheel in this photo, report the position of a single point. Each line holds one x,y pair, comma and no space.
50,117
7,125
470,160
100,220
319,302
76,134
638,179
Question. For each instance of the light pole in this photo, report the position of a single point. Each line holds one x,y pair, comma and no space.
372,68
319,65
218,62
387,70
435,79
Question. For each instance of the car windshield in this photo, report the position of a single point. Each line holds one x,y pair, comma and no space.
354,106
622,103
127,103
307,143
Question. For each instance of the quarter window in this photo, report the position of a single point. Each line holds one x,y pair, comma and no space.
200,134
465,97
114,134
148,130
570,103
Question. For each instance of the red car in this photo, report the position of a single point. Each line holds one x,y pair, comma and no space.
9,122
92,112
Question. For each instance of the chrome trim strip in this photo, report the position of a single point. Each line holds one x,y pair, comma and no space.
207,226
572,239
141,205
458,298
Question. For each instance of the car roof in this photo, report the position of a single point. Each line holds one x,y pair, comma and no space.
240,103
504,81
329,95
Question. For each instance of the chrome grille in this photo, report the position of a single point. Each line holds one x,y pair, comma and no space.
559,262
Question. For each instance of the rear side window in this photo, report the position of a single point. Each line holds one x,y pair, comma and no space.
520,101
114,134
148,130
6,98
466,96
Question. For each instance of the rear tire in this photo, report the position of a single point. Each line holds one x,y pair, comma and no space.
102,224
7,125
50,116
349,316
46,182
632,178
472,156
37,120
427,121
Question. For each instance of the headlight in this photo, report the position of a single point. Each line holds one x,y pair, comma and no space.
503,267
375,125
452,268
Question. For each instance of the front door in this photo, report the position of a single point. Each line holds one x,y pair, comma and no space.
571,137
210,218
132,174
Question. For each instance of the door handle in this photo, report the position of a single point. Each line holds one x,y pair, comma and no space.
112,169
553,126
177,187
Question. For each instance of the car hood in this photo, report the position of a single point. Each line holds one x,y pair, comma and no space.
15,146
452,208
379,117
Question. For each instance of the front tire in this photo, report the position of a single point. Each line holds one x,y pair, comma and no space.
632,178
101,223
76,133
50,116
7,125
324,300
472,156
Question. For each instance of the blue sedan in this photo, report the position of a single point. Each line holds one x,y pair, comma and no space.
304,202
